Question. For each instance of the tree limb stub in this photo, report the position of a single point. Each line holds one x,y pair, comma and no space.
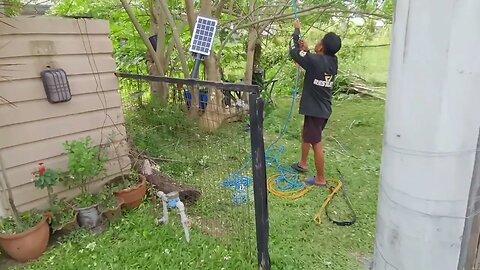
143,35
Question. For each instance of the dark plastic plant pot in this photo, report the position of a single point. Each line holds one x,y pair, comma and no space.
68,227
113,213
89,217
133,196
28,245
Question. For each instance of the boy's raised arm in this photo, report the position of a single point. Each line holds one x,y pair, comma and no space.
296,52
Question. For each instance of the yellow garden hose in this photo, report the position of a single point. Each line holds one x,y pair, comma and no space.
333,190
289,194
333,185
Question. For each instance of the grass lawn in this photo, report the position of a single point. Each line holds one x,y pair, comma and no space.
376,71
223,235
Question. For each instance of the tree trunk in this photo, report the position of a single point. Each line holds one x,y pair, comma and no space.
257,57
157,26
215,112
252,40
190,9
143,35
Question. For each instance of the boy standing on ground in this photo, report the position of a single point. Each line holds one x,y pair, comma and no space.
316,102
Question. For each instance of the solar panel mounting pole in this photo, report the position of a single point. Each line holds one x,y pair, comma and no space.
196,67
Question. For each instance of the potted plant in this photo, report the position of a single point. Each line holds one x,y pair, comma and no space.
131,188
24,237
61,215
84,164
110,205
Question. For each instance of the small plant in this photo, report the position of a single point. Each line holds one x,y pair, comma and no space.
46,178
27,220
107,200
85,200
127,182
84,162
60,213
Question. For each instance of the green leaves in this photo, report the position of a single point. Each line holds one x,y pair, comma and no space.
27,220
85,200
84,161
47,179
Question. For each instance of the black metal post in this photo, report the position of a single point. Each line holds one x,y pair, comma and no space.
259,180
196,69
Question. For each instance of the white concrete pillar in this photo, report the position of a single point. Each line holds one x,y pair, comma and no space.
431,131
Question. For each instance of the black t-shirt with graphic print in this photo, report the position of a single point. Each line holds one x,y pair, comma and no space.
320,72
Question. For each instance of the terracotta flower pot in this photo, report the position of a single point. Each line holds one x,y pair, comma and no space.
133,196
67,227
113,213
28,245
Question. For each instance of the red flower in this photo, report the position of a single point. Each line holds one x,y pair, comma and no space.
41,171
48,215
41,163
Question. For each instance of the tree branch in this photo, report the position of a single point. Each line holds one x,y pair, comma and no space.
289,15
279,12
190,9
222,46
171,45
319,8
252,39
219,8
142,34
373,46
176,37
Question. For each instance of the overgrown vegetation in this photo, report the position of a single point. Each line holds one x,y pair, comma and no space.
353,141
223,235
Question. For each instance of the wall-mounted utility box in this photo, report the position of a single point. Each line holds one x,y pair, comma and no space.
56,85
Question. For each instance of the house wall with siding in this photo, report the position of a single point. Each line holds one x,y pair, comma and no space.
33,130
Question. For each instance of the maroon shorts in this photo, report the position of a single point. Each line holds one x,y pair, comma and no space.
312,129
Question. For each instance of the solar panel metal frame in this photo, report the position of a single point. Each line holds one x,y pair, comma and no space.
203,35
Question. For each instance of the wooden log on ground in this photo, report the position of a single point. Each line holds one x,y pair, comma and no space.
188,195
163,182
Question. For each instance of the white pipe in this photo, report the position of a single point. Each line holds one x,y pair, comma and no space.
183,219
431,132
181,208
164,218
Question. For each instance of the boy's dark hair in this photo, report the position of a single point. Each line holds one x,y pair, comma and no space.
331,43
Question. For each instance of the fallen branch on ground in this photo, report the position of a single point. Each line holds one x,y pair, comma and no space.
163,182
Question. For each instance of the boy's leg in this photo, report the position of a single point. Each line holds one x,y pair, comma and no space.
319,163
305,147
305,150
313,135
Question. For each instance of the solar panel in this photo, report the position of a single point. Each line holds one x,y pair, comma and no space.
203,34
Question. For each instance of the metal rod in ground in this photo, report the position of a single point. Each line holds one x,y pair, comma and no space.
196,68
259,180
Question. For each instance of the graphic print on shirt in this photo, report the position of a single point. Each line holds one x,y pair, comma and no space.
327,83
